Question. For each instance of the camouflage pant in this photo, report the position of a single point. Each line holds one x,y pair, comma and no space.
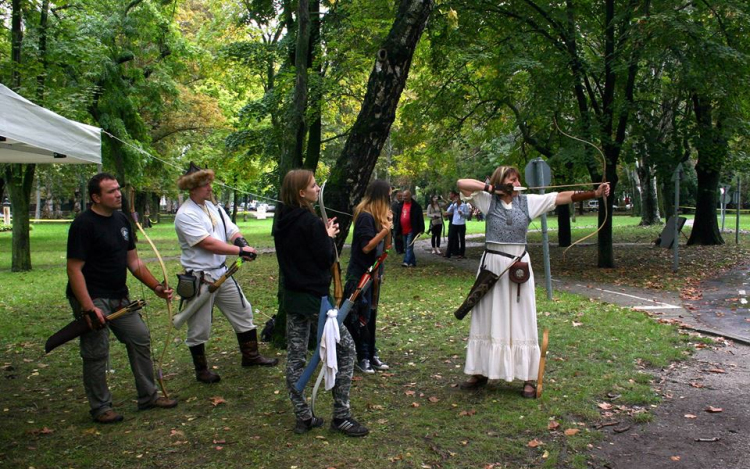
297,337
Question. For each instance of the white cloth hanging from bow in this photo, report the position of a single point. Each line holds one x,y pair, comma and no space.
331,336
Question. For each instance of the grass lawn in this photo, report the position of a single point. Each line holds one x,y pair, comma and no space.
598,364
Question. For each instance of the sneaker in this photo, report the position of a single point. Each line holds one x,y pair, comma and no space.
404,265
304,426
160,402
349,427
109,416
378,365
364,366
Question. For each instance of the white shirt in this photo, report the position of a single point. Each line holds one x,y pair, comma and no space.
193,225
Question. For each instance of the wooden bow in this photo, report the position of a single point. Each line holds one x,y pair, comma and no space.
604,180
159,374
542,362
338,288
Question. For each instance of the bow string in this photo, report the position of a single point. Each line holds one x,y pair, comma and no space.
159,374
604,180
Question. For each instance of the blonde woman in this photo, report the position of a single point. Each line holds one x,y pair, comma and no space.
373,221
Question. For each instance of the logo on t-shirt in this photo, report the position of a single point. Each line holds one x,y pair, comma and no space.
125,234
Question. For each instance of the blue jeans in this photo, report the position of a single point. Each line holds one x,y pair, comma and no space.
409,257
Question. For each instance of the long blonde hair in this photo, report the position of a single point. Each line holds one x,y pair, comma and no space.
376,202
295,181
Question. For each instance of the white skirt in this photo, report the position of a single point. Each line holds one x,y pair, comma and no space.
503,342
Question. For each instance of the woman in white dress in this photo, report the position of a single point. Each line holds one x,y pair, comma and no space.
503,341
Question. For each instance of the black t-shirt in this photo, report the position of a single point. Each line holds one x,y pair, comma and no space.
364,231
102,243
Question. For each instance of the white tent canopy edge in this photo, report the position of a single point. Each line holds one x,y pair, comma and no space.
32,134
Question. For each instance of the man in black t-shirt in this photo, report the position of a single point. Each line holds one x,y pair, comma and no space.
101,250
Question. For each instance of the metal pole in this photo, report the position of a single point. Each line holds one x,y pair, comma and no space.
545,238
676,240
723,206
737,223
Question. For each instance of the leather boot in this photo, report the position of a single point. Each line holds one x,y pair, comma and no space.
249,347
202,373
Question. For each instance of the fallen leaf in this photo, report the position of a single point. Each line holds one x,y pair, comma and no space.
675,458
553,425
716,370
571,431
605,406
713,410
410,393
415,404
697,385
577,324
433,399
690,416
216,400
534,443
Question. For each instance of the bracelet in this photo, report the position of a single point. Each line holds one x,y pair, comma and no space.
486,187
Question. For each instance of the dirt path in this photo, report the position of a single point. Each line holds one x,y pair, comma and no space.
683,433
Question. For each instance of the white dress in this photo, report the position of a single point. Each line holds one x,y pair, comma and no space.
503,342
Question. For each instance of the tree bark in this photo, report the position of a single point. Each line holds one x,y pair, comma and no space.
353,169
19,179
563,226
712,152
297,127
648,200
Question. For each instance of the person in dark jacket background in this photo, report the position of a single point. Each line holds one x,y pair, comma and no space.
409,221
398,241
305,251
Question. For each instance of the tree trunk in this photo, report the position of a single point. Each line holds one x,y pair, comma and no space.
42,77
649,202
297,128
712,151
563,226
351,173
16,42
315,133
19,179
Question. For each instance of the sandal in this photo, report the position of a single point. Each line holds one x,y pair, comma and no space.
475,382
529,394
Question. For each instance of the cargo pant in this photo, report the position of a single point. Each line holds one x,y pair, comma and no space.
298,328
131,331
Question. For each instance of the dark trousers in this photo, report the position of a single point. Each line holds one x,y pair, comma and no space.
398,241
437,231
358,322
456,240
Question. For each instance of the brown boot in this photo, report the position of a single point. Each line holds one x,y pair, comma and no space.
202,373
249,347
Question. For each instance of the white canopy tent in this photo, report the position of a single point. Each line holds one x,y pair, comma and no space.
32,134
